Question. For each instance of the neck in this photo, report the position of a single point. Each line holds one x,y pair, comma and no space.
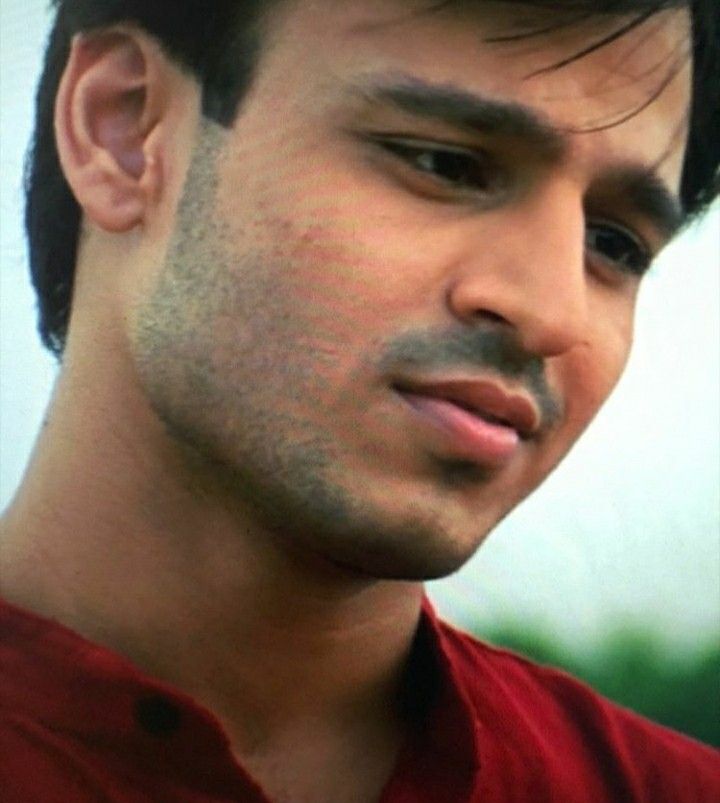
116,534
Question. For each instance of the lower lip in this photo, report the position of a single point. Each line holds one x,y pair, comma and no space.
469,436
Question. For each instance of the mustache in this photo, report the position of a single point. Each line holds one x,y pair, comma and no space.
481,349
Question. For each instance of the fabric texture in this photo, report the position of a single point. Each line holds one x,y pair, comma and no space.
80,724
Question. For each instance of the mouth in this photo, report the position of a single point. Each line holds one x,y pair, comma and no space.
477,420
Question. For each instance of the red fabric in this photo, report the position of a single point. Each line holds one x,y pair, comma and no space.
79,724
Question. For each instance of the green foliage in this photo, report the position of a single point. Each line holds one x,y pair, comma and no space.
637,669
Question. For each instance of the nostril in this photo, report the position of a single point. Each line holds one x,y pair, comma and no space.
490,316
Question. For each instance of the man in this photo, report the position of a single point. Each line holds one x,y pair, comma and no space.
335,286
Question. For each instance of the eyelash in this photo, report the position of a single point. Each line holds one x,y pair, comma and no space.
637,258
455,160
625,250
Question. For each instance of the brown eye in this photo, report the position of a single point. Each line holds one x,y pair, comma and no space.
617,245
460,168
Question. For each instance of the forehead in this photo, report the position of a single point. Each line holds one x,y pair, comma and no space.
457,35
634,89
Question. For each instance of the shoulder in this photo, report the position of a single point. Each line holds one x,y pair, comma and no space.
51,704
39,765
539,710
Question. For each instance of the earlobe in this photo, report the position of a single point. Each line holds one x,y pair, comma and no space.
106,109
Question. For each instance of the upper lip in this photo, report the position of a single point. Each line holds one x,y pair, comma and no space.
485,397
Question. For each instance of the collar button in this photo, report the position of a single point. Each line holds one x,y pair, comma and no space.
157,715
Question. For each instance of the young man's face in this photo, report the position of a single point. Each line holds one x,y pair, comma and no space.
408,220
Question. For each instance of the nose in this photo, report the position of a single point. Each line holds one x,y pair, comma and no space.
527,271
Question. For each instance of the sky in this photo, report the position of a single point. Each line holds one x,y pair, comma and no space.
626,531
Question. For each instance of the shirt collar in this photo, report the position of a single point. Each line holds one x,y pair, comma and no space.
58,678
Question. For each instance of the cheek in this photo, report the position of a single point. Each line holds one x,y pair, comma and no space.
350,279
357,258
592,371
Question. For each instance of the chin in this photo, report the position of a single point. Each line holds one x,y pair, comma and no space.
407,565
415,548
325,517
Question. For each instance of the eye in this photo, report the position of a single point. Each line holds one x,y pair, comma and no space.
458,168
616,244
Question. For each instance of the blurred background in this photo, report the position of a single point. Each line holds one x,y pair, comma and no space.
612,569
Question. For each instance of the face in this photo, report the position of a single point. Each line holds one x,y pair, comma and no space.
402,285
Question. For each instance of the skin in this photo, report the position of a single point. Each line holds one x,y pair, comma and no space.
226,476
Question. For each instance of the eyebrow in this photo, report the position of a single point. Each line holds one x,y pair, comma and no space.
466,110
638,184
648,193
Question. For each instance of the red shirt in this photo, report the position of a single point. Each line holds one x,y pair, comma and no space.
79,724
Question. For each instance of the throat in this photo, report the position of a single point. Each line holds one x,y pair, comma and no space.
352,758
311,763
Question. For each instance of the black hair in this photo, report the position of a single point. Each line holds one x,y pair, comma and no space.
216,40
219,41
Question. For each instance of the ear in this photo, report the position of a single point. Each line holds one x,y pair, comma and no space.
110,106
